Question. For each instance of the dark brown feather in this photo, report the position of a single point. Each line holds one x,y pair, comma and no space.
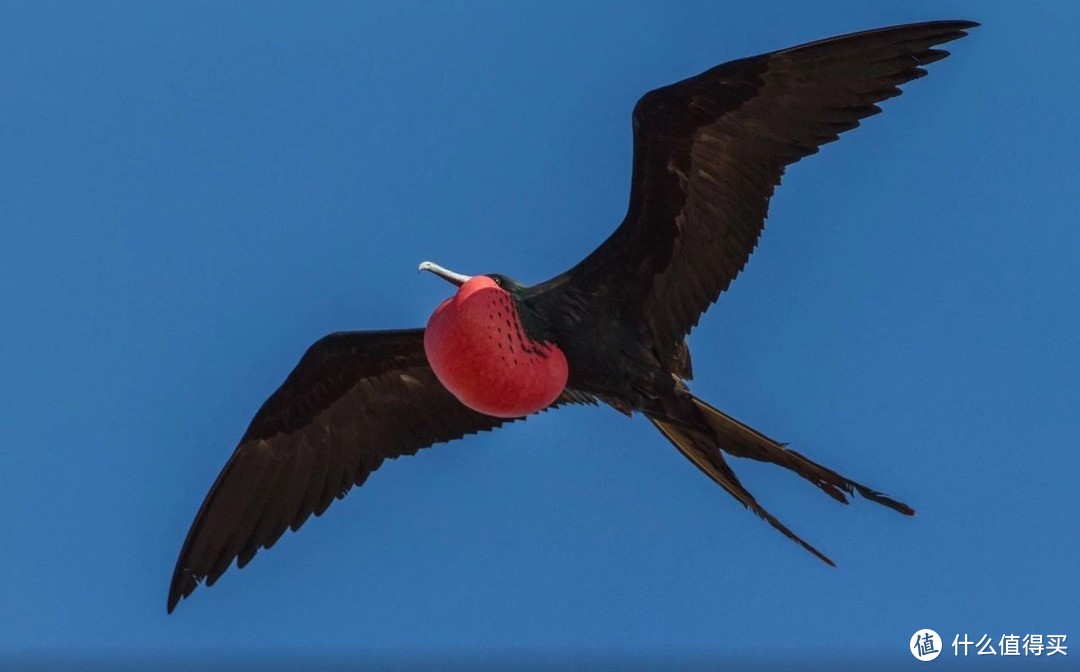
703,434
354,399
741,440
710,150
706,456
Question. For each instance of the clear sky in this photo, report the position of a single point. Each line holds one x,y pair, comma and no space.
192,193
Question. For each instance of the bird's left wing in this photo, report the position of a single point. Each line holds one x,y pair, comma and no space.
355,399
708,152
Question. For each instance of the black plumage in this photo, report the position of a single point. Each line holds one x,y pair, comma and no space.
708,153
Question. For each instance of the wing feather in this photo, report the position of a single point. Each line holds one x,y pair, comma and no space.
710,150
354,400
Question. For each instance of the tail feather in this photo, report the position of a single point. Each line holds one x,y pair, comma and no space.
703,433
741,440
710,460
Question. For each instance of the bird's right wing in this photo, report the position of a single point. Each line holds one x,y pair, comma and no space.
355,399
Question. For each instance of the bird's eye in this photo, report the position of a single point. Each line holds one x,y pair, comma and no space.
498,281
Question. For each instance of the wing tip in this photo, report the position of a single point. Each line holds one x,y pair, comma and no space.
947,25
933,32
183,584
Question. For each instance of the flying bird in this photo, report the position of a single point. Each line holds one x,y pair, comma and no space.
708,153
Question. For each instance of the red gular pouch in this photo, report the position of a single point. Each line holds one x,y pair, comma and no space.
477,347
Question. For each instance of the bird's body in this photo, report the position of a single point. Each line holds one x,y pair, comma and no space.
708,153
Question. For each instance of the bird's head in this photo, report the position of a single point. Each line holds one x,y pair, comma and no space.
503,282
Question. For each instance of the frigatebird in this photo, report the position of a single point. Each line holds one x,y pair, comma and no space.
708,153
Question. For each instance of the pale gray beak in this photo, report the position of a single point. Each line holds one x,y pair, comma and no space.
446,274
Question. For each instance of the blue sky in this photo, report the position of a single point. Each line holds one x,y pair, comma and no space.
192,193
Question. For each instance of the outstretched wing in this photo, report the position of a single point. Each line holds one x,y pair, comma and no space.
355,399
708,152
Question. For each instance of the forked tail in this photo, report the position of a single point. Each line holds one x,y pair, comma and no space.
701,432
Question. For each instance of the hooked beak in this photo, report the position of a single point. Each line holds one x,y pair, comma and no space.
446,274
